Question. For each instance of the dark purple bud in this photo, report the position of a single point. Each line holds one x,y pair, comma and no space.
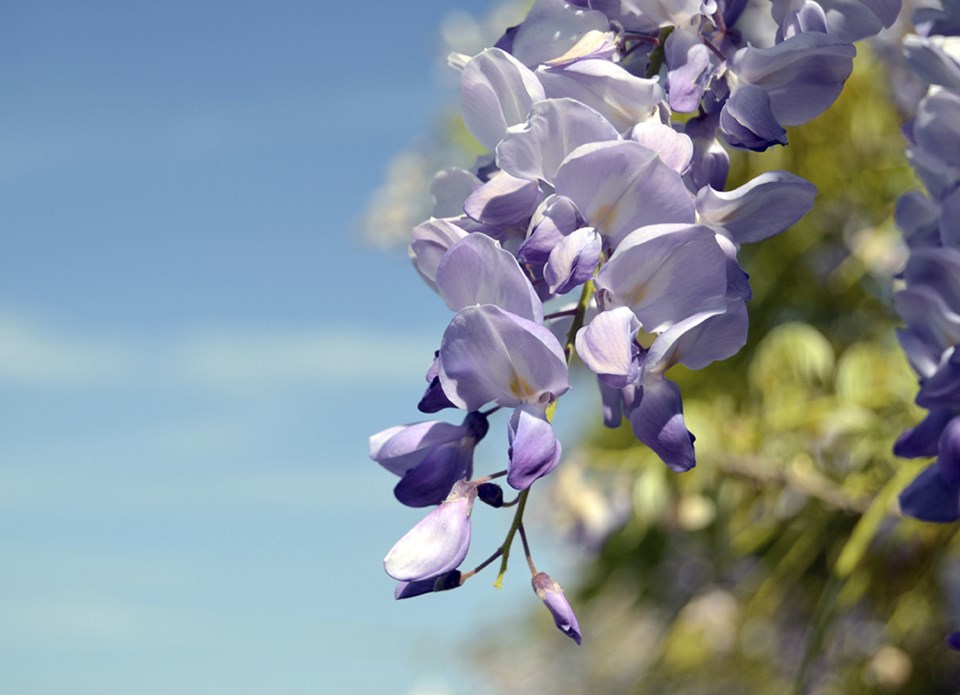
553,598
953,641
490,493
445,582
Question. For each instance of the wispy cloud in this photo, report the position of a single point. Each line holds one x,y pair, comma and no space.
252,358
33,354
36,354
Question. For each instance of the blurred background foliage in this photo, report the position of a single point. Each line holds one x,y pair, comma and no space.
780,563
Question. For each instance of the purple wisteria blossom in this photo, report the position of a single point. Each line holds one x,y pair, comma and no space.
597,225
928,300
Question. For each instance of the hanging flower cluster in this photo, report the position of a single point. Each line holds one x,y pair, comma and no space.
929,302
591,189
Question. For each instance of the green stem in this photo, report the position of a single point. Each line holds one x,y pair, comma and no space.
508,541
655,62
581,311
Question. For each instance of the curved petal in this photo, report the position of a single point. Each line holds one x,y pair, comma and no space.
556,217
665,273
762,207
477,271
496,92
428,242
622,98
503,200
488,354
747,120
438,543
573,260
657,421
431,480
607,346
923,440
534,450
551,28
930,498
398,449
620,186
701,339
674,149
554,129
802,75
689,62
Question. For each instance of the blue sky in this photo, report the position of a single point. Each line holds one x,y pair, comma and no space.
194,348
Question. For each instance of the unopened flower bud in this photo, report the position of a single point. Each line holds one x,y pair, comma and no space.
552,596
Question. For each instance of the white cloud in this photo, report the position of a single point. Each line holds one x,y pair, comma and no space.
249,358
34,354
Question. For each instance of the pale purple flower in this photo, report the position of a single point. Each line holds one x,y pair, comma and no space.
490,355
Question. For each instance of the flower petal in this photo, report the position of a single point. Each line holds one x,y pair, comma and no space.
477,271
534,450
488,354
496,92
657,421
438,543
760,208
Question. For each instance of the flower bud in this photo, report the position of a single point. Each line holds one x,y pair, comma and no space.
552,596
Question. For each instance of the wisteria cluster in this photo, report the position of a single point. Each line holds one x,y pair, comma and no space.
929,302
607,123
